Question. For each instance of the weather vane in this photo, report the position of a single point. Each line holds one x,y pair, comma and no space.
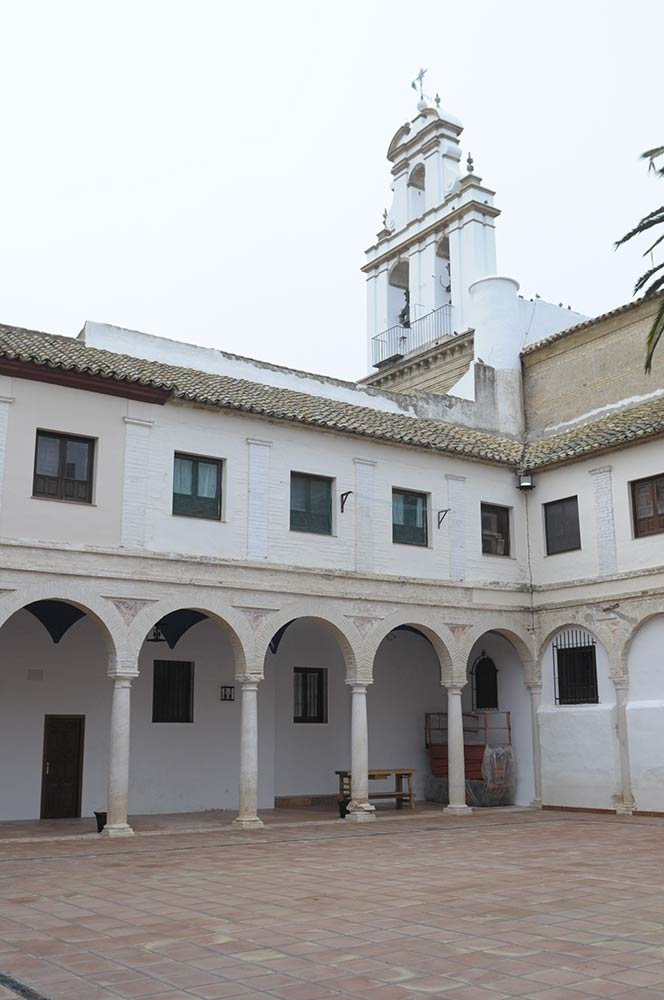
418,82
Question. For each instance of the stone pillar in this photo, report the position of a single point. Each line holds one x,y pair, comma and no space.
247,817
626,804
359,809
118,764
456,765
535,702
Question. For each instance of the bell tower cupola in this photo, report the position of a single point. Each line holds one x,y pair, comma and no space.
437,238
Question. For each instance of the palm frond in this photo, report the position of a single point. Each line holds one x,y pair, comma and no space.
645,278
655,287
652,155
653,245
654,337
647,222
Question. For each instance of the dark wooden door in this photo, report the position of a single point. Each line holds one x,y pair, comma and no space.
63,766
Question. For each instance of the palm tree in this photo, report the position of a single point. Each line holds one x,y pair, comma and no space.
651,280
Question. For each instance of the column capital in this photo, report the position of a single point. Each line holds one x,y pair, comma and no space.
620,682
249,680
454,687
358,685
535,687
123,679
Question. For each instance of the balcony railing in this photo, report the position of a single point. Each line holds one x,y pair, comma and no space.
393,344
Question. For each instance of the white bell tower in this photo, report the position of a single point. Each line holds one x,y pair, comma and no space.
437,239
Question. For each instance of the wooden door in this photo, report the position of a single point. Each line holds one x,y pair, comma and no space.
62,771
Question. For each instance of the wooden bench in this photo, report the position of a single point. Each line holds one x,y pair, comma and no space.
399,793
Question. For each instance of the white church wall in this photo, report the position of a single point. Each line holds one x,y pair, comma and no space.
513,697
69,679
579,745
306,755
645,715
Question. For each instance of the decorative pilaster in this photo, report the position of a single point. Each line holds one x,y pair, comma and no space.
258,505
247,817
359,809
456,765
118,763
134,497
535,702
626,804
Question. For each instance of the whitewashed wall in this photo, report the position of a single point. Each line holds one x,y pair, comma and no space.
645,715
580,764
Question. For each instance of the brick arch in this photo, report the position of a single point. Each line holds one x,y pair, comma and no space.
101,611
235,626
518,637
627,644
344,631
430,625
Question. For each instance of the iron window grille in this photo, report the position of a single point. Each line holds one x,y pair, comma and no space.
495,530
310,503
575,668
648,506
197,486
409,517
309,694
173,691
561,524
63,467
484,680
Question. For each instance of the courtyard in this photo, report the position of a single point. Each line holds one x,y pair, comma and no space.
504,903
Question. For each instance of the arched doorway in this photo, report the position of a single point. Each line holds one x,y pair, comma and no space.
55,702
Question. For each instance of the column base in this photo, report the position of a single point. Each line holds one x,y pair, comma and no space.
248,823
457,810
536,804
625,809
117,830
361,812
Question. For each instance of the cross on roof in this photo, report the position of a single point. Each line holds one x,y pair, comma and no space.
418,82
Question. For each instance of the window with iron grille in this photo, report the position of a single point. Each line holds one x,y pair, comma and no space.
409,517
173,691
311,503
197,487
485,683
310,694
575,668
648,506
63,467
495,530
561,523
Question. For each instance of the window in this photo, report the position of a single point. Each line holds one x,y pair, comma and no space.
495,530
409,517
485,683
648,506
311,503
561,523
173,691
310,694
63,467
197,487
575,668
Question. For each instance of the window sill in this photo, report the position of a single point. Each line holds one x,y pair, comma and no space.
416,545
77,503
563,552
199,517
495,555
310,531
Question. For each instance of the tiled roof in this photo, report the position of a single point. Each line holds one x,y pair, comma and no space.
228,393
588,322
612,431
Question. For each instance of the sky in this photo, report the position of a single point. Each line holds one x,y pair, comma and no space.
212,171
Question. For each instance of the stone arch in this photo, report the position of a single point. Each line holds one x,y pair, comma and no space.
627,644
237,630
519,639
600,634
341,627
438,634
100,610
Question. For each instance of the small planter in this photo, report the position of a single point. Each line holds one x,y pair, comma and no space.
101,818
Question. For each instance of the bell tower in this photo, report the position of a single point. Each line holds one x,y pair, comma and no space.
437,238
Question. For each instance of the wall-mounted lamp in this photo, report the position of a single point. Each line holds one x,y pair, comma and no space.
525,480
155,634
227,692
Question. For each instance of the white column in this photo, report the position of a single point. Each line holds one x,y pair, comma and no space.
626,805
456,765
247,817
359,809
535,702
118,764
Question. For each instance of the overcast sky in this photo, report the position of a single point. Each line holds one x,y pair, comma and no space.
212,171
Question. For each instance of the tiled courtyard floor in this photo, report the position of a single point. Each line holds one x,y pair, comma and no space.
542,905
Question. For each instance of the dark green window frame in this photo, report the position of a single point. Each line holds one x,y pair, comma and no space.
411,508
201,499
311,503
561,525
